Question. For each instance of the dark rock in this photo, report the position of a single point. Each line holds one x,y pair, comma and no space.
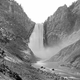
41,66
52,69
15,28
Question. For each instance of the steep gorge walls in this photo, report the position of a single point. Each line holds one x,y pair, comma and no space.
37,46
57,32
15,29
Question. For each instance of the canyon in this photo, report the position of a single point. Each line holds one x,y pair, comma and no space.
26,46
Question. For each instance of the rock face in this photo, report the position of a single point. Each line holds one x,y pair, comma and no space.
63,29
23,42
61,24
15,28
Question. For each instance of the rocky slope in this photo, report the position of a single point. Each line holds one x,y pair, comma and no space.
61,24
63,29
16,57
64,24
23,42
15,30
59,46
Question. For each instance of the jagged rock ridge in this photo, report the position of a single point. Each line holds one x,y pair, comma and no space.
61,24
63,28
15,31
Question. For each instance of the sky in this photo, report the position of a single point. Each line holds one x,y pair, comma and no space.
39,10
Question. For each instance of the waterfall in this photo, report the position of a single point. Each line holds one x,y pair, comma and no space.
36,43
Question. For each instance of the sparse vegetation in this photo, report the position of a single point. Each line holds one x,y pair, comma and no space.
15,31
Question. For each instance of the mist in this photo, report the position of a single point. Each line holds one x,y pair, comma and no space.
36,43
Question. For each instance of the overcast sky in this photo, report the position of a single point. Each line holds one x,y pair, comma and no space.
39,10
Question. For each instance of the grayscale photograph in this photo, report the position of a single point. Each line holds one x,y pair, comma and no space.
39,39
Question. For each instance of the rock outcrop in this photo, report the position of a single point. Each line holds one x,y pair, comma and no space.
61,24
15,29
63,29
23,43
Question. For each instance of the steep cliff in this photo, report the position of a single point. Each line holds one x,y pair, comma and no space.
15,28
61,24
62,29
23,42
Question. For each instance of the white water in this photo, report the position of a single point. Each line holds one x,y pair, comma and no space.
36,43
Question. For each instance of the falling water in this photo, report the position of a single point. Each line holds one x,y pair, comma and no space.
36,43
